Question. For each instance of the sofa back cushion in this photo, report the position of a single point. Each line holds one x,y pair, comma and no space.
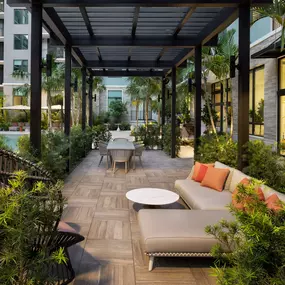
191,173
229,179
267,191
237,177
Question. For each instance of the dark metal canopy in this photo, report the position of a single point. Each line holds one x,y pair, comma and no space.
272,51
135,37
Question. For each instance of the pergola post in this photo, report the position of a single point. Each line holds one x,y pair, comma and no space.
36,77
67,99
163,101
90,101
173,114
83,115
198,95
243,86
67,90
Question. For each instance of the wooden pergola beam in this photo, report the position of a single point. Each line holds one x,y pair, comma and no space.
133,3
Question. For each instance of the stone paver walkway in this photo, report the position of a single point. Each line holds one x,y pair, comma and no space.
112,253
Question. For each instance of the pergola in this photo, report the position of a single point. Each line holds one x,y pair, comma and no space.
136,38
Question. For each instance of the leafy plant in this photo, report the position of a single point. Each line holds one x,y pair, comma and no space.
211,149
150,135
117,110
4,142
167,139
125,126
27,221
255,241
100,133
266,164
206,118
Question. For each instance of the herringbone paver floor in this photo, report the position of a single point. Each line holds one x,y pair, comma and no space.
112,253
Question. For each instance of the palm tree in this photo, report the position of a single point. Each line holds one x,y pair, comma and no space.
221,63
135,92
146,87
55,82
275,11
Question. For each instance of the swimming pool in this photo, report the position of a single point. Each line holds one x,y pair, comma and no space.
12,138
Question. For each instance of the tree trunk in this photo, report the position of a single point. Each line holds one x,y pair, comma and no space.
49,109
137,113
78,108
209,107
224,107
158,116
146,110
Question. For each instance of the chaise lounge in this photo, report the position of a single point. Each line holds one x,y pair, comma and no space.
183,235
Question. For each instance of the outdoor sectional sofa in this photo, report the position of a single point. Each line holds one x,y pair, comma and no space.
181,233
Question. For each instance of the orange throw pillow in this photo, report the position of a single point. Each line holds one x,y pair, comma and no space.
197,169
215,178
274,203
202,172
240,205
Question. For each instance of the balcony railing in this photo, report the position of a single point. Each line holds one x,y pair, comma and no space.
141,115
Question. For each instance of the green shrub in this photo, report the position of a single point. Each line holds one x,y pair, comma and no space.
256,240
54,155
100,133
266,164
150,135
125,126
167,139
55,147
4,143
221,148
4,126
25,213
117,110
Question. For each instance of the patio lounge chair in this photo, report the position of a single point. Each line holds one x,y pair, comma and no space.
121,156
139,148
64,236
103,152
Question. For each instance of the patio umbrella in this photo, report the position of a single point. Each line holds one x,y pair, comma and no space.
54,107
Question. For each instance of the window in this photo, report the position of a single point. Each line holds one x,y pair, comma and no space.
19,97
114,95
20,42
21,65
221,100
21,16
256,102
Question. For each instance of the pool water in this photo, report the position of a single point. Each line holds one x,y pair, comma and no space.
12,138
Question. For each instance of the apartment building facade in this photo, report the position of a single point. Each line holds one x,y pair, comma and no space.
267,85
15,55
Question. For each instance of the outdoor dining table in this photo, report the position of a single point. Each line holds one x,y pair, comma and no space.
122,145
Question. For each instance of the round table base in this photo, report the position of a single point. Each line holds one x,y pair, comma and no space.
176,205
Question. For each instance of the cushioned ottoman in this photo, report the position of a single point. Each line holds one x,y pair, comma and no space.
178,232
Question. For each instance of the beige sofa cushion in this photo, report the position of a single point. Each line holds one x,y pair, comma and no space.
229,179
267,191
202,198
237,177
178,230
191,173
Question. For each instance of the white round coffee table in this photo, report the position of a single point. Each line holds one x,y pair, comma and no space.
152,196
